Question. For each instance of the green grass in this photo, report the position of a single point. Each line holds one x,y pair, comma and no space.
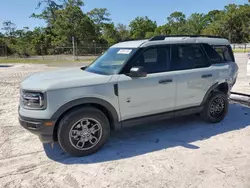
241,50
40,61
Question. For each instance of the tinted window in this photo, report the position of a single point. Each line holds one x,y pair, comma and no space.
225,52
188,56
212,54
150,56
154,60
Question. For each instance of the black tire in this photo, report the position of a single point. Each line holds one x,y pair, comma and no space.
214,116
69,124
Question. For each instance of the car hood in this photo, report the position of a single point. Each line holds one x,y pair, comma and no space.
62,78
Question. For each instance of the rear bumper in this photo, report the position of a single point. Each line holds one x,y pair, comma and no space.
39,128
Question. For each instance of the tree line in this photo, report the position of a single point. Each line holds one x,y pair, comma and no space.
65,21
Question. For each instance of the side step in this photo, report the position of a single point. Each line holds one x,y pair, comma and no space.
240,98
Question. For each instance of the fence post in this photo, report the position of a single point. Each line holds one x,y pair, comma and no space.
76,51
73,43
6,52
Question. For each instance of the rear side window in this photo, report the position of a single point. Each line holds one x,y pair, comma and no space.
188,56
213,55
225,52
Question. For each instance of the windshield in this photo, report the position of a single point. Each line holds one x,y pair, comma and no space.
111,61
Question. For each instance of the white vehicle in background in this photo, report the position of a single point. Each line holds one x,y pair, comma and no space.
133,82
248,64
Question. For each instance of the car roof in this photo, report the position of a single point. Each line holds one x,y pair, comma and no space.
171,40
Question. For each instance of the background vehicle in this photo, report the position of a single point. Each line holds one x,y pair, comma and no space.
132,82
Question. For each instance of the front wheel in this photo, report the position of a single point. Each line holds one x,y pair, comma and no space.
83,131
216,107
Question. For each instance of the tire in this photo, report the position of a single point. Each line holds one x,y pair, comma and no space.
76,134
213,111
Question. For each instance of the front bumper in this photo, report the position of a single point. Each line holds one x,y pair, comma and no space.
42,128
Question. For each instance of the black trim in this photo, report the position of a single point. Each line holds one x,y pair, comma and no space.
116,89
165,81
125,68
206,75
37,127
212,88
90,100
162,37
161,116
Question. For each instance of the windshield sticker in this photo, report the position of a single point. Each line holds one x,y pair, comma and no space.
124,51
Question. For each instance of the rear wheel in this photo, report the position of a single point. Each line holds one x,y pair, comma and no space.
216,107
83,131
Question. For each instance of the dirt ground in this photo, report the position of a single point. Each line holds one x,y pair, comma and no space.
181,153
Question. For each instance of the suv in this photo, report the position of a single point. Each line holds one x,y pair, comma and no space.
131,83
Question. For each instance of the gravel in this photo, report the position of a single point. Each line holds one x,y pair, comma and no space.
183,152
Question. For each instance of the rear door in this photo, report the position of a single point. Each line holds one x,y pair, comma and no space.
194,74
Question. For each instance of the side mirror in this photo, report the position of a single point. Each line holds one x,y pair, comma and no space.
138,72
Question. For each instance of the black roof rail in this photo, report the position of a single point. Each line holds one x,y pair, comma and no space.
162,37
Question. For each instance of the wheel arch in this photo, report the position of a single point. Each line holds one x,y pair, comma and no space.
218,86
104,106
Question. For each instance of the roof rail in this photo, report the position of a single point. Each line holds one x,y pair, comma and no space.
162,37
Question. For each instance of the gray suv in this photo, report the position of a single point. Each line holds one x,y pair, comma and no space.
132,83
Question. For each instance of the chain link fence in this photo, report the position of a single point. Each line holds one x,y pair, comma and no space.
245,47
60,53
80,52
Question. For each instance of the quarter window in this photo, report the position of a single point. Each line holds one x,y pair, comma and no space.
225,52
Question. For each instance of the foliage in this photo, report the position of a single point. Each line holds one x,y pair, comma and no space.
141,26
65,19
123,32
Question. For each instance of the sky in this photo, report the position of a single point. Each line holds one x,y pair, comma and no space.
19,11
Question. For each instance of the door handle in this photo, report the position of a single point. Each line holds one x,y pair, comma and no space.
206,75
165,81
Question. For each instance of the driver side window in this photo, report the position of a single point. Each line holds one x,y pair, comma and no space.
154,60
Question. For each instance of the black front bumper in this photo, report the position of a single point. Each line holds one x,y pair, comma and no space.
38,128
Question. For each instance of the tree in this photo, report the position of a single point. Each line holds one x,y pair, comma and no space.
140,26
72,22
176,23
123,32
213,16
110,34
196,23
99,16
9,28
49,7
65,19
162,30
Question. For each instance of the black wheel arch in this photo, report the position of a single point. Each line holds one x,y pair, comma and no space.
223,87
100,104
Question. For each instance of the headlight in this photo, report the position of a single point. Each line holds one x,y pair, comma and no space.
33,100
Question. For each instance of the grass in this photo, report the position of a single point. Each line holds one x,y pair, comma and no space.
40,61
241,50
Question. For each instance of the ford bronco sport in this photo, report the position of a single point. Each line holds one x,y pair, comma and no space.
131,83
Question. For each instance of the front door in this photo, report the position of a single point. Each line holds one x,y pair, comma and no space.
152,94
